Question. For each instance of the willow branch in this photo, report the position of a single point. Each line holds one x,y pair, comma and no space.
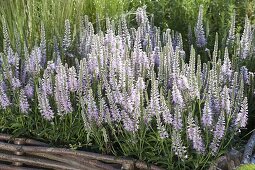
35,162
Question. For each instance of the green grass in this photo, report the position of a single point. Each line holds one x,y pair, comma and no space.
246,167
25,16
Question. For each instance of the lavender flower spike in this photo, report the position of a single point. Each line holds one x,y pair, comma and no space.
207,115
199,30
225,101
67,36
177,145
43,45
177,97
166,114
141,16
194,134
15,83
29,90
231,33
226,70
245,74
72,79
61,91
218,133
23,103
4,101
246,39
177,120
242,116
128,123
44,105
47,82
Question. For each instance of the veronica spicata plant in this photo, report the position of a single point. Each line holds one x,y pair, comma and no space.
132,90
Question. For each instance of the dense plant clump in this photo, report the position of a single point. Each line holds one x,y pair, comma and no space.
24,17
132,90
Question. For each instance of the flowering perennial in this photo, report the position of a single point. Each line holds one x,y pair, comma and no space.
133,80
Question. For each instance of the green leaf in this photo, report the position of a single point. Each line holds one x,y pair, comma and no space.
246,167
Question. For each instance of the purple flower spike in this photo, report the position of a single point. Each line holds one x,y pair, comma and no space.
245,74
177,145
226,70
157,56
33,64
141,16
194,134
62,93
29,91
167,116
199,30
72,80
44,105
23,103
177,97
242,116
129,124
207,115
183,82
225,101
218,133
67,35
245,43
15,83
177,120
4,101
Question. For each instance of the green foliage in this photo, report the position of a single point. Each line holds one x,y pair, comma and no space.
246,167
25,16
180,14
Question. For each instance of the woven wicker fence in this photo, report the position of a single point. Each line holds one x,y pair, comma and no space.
27,154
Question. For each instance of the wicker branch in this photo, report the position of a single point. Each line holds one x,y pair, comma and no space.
61,158
63,151
142,165
35,162
5,137
11,167
102,165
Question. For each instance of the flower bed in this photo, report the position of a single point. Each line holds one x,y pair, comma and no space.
130,92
